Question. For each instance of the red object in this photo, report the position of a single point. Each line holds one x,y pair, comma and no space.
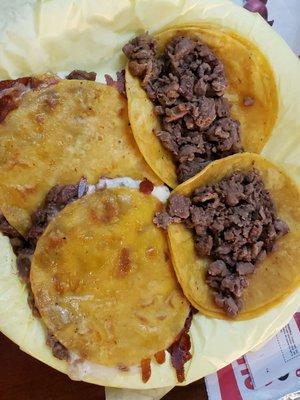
228,386
180,349
146,369
297,319
160,357
146,186
257,6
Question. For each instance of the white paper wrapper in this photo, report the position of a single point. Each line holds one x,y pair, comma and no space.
57,35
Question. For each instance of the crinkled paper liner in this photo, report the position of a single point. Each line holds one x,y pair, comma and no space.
57,36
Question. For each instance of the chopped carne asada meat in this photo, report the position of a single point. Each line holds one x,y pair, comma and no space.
21,248
234,223
186,85
58,350
56,199
163,220
7,230
119,83
82,75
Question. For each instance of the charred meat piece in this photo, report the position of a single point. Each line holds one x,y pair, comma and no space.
82,75
119,83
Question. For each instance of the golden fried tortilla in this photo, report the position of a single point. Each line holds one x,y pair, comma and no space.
103,282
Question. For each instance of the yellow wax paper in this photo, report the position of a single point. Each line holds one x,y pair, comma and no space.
56,35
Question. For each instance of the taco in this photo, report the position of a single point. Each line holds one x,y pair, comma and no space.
233,232
100,278
197,94
54,131
94,277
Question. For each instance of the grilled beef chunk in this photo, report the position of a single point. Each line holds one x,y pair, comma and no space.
58,350
234,223
56,199
7,230
119,83
186,85
82,75
163,220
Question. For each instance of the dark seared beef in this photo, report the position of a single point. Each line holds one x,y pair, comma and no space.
163,220
82,75
179,206
58,350
119,83
189,169
186,85
21,247
234,223
7,229
31,302
56,199
61,195
24,261
141,52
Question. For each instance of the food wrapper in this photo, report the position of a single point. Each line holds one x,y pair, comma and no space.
269,372
59,36
277,357
233,382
